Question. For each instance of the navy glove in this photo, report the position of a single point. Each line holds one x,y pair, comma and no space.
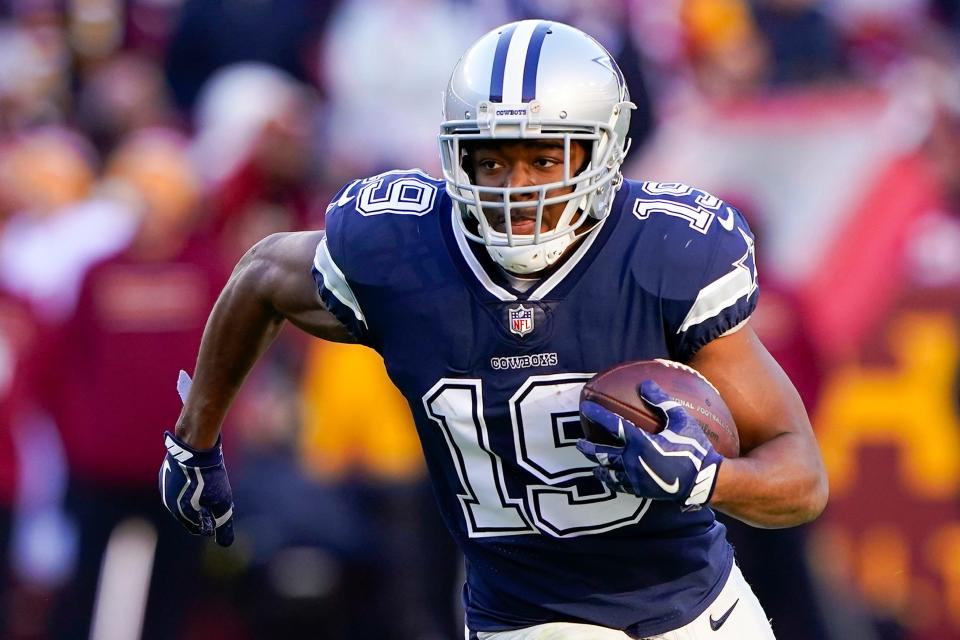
194,486
678,464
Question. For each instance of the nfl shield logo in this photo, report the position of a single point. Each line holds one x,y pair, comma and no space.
521,320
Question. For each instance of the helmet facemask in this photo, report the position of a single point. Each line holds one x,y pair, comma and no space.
591,189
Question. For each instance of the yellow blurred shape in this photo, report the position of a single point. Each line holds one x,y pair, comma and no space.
910,405
831,553
154,163
716,25
356,422
884,569
943,554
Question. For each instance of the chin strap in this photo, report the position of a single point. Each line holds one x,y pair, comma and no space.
527,259
531,258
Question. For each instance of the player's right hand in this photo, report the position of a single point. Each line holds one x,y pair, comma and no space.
194,487
677,464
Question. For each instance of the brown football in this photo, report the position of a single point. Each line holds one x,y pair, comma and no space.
617,389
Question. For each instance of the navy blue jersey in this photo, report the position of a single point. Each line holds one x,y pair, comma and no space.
493,377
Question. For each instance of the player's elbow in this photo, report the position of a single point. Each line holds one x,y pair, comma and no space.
815,497
808,499
264,250
255,268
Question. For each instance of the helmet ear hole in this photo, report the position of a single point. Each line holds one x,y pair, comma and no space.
466,159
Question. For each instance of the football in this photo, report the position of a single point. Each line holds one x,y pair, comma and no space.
617,389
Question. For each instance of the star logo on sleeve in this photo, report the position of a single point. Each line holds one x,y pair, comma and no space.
748,261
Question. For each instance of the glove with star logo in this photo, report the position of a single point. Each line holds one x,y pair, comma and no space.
677,464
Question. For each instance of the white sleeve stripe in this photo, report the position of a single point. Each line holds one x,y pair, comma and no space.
335,282
718,295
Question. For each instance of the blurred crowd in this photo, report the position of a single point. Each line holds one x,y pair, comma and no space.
145,145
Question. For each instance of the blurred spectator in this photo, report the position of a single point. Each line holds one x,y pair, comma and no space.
934,244
211,34
345,433
34,72
877,31
138,319
384,100
609,21
947,12
804,44
95,28
8,476
127,93
241,116
18,346
150,25
47,176
729,57
370,450
47,169
254,151
305,543
45,247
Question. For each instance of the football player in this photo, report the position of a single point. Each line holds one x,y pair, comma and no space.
493,294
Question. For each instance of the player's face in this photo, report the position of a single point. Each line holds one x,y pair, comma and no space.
524,164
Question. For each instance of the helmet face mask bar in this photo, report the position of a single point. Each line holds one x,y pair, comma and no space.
584,102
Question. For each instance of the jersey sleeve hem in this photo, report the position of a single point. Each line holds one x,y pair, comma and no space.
726,322
730,294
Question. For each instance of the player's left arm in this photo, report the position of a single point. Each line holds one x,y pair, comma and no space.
779,480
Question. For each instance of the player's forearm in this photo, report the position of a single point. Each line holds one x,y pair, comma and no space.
781,483
272,283
241,326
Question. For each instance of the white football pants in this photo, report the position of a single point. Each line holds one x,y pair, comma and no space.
736,614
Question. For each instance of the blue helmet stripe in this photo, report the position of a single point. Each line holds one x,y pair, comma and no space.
500,63
533,61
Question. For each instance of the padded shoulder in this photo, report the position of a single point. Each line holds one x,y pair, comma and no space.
373,228
373,216
697,253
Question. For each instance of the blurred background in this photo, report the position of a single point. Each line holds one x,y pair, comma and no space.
146,144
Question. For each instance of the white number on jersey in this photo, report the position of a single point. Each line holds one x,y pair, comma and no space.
552,504
699,216
399,192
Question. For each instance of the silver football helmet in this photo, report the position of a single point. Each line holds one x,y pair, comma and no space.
529,80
